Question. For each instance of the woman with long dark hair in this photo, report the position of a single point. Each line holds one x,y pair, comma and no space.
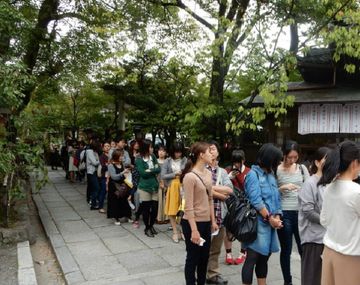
290,177
261,189
148,186
104,160
310,230
198,221
340,216
170,173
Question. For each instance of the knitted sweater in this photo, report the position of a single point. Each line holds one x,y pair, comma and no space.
148,179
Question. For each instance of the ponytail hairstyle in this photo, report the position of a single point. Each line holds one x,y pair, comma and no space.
338,161
269,157
195,150
321,152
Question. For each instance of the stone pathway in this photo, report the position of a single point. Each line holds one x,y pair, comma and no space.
92,250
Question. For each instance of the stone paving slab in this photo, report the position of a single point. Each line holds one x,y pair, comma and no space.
26,271
93,251
123,244
141,261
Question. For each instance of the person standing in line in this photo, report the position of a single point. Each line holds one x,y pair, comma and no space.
65,157
261,189
118,207
73,169
237,173
82,169
54,156
104,160
92,162
148,187
170,174
161,157
121,144
290,178
134,153
340,216
310,230
222,188
199,220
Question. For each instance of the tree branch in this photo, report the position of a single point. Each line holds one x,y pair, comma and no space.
232,11
181,5
78,16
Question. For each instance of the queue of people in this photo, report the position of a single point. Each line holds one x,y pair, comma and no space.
292,203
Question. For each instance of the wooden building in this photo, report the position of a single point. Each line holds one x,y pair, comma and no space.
326,110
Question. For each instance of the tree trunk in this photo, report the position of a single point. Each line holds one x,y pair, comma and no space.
219,72
294,38
46,14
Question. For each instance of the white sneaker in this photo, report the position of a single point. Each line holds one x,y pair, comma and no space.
132,206
117,223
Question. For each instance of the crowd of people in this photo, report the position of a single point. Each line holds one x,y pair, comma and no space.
318,205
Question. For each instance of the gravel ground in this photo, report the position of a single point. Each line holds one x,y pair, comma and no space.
46,267
8,265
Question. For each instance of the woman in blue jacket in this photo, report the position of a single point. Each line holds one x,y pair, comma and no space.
262,191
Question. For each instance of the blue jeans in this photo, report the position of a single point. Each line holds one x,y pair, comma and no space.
94,188
290,222
102,193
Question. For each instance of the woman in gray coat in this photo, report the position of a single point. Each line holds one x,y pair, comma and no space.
170,174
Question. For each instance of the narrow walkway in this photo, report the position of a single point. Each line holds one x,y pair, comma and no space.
92,250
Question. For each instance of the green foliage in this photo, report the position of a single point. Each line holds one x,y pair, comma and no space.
17,161
13,79
343,33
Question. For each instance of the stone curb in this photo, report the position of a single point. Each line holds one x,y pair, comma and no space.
67,262
26,271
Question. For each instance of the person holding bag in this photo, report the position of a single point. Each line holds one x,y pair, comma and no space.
261,189
198,221
237,173
118,206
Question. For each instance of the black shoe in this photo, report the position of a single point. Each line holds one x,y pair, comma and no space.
94,208
288,283
153,231
149,233
216,280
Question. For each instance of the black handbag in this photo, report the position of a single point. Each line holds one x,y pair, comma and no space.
121,190
241,219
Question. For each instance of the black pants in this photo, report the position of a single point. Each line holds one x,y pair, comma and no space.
290,228
311,263
149,211
88,188
257,260
196,256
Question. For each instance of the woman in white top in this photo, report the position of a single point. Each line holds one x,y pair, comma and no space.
340,216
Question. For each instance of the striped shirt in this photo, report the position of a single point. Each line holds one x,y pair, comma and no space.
289,198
